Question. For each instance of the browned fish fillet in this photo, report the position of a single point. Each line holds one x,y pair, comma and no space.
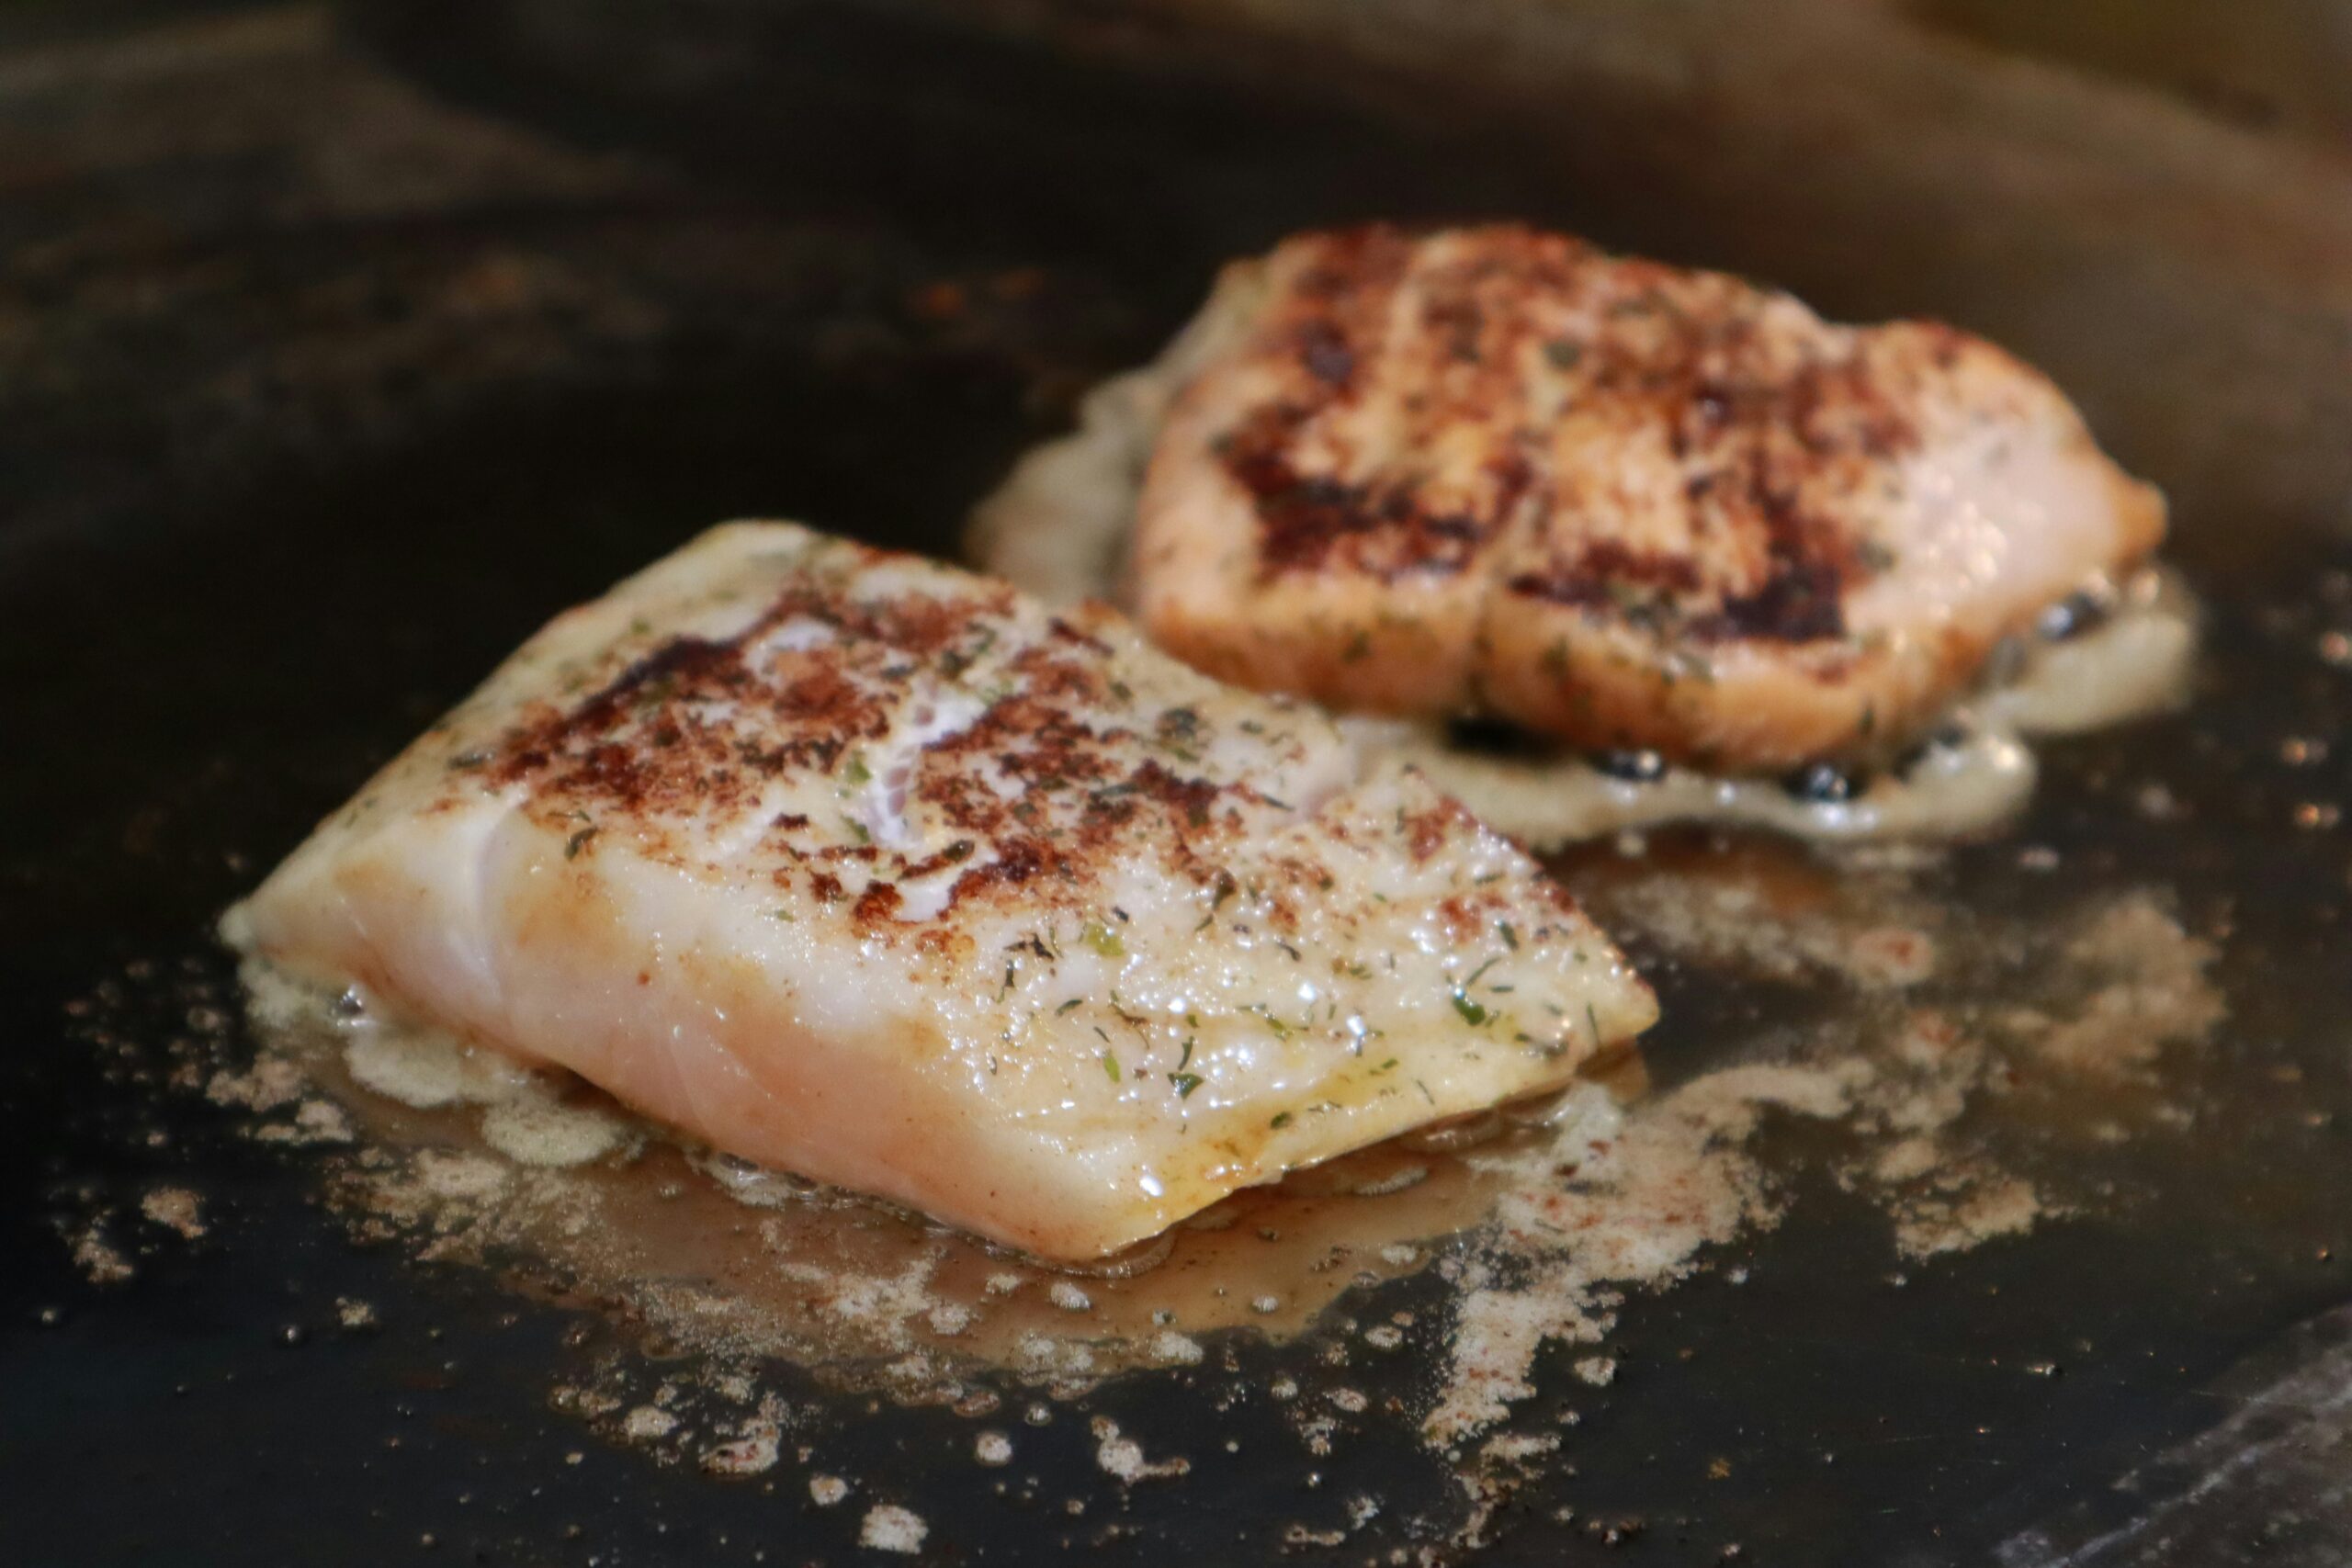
1627,505
861,866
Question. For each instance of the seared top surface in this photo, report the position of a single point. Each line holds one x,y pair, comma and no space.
1509,455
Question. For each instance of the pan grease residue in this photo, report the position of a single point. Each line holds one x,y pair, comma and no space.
1944,1043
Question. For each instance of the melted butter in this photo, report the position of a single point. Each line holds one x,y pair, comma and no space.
1952,791
2135,664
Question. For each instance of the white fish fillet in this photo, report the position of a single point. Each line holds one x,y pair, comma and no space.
1624,505
857,865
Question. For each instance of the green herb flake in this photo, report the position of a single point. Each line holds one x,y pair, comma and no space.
1281,1119
1102,939
1066,1006
1471,1014
577,842
1111,1065
857,772
1511,936
1185,1084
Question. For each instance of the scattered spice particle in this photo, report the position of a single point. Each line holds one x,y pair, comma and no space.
1124,1457
178,1210
647,1423
100,1263
889,1528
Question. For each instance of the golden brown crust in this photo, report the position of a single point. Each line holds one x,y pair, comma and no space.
695,731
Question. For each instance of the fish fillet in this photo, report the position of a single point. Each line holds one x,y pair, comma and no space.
857,865
1620,504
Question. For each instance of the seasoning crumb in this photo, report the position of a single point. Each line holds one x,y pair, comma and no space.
1122,1457
826,1490
536,1131
754,1453
889,1528
647,1423
96,1257
1519,1448
176,1209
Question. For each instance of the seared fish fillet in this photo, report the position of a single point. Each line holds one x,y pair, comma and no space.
857,865
1494,471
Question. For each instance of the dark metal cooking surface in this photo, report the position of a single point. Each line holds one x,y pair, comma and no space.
335,362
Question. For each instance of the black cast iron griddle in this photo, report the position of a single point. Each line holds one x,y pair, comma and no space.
339,354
